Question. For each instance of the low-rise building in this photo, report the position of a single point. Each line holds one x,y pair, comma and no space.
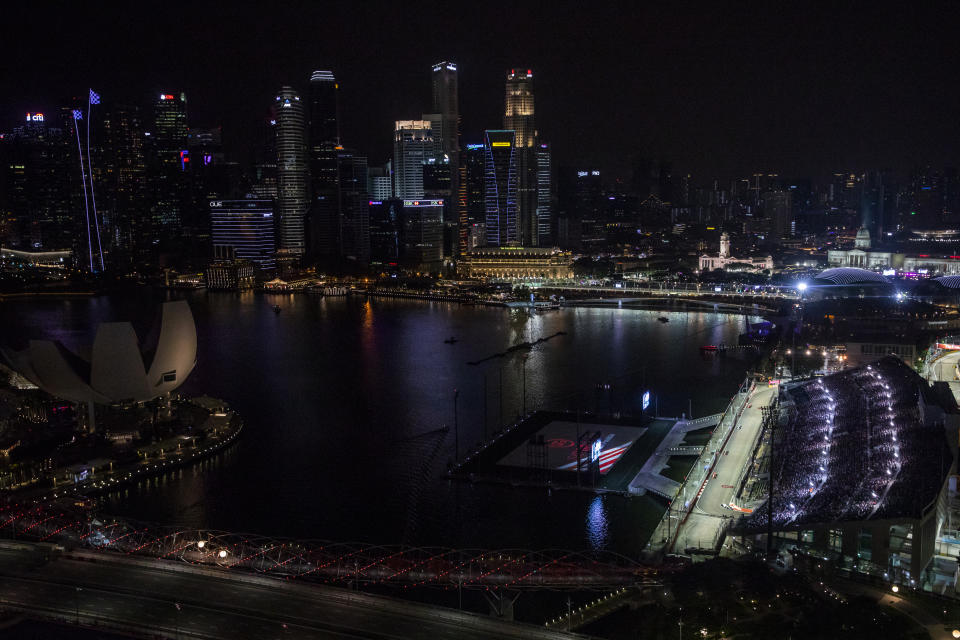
517,262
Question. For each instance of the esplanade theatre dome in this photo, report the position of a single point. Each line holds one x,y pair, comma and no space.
845,282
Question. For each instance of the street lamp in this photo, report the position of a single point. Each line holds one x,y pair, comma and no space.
895,588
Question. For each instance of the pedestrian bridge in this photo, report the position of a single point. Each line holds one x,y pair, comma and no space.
407,567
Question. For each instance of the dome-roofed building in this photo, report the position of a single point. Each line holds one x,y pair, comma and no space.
845,282
120,368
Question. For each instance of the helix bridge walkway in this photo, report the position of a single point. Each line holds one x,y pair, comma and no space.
406,567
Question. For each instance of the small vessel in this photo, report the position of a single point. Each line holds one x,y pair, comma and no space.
708,347
662,319
450,340
276,308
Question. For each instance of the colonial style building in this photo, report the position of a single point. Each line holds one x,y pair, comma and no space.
726,261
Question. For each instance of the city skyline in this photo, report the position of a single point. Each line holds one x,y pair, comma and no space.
717,99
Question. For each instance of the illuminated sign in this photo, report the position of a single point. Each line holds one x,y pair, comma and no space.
948,347
34,117
474,146
889,272
595,449
423,203
581,174
166,96
499,144
646,400
184,159
594,173
373,202
216,203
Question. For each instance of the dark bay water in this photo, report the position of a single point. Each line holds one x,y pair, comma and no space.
343,399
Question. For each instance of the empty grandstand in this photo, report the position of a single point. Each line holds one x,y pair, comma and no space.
860,464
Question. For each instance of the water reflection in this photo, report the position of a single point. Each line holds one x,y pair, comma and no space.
597,533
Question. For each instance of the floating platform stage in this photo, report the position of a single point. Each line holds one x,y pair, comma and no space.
541,450
557,441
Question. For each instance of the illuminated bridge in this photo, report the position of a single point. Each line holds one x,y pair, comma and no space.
404,567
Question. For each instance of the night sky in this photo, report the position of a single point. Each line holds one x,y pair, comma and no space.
717,90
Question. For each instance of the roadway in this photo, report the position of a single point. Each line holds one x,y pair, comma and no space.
944,370
708,517
158,598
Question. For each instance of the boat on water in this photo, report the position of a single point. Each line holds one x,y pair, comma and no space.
276,308
663,319
450,340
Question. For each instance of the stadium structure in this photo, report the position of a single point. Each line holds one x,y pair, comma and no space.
862,467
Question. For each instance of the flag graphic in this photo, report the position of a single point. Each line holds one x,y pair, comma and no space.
94,97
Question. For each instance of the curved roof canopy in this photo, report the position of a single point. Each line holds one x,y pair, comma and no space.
118,369
950,282
850,275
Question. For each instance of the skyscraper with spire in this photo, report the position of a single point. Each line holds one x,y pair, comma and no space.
518,117
292,191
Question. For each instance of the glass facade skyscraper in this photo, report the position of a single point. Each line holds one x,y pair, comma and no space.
170,163
544,179
412,148
292,200
518,117
246,226
500,188
325,236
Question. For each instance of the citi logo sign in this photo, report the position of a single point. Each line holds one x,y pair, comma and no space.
34,117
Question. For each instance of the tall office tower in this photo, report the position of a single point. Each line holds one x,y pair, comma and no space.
421,235
122,196
445,124
518,116
169,162
292,200
39,181
581,206
380,182
500,189
412,148
470,196
354,245
325,235
778,206
544,192
385,220
246,225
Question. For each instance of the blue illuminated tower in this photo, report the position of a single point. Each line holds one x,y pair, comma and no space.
500,181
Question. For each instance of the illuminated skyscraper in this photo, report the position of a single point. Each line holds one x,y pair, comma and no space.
170,162
123,200
325,237
445,124
292,200
247,227
500,182
412,148
518,117
544,191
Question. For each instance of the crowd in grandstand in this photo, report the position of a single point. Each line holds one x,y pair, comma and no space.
856,447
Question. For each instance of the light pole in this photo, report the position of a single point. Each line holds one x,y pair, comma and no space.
524,384
456,428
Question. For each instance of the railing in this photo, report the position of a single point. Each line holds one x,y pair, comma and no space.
691,486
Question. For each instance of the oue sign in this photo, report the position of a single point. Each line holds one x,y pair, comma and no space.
34,117
216,203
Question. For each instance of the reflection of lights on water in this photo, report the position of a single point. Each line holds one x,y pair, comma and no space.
597,532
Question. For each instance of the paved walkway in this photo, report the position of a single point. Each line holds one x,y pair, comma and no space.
649,477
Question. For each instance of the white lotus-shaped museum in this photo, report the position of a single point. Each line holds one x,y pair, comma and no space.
118,369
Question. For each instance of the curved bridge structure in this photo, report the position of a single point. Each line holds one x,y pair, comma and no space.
325,561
